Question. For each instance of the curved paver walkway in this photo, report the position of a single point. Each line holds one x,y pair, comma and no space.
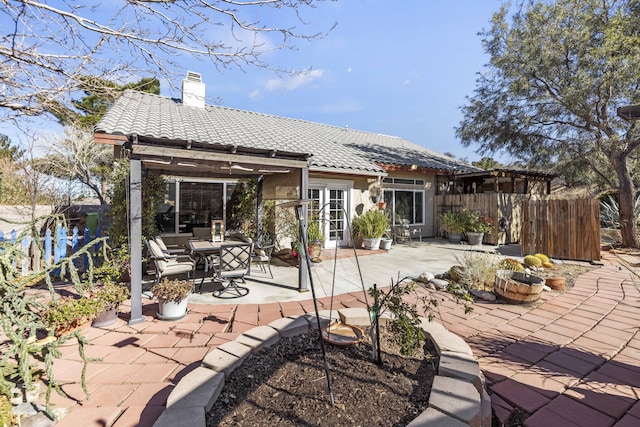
573,360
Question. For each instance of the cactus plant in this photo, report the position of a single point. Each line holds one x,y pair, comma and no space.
511,264
532,261
543,258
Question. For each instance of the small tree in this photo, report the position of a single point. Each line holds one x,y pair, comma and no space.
557,73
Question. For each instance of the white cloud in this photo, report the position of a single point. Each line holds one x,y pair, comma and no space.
348,69
303,79
256,94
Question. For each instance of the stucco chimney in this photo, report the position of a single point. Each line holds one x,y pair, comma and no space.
193,90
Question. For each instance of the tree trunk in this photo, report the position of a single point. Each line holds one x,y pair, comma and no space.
626,200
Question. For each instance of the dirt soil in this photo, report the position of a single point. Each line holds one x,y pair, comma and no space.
285,385
570,271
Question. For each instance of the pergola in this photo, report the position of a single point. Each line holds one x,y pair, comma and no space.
202,160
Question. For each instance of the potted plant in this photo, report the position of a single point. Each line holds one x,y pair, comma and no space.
172,298
65,315
476,226
110,295
453,223
371,225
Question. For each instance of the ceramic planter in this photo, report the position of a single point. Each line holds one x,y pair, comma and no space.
474,238
385,244
454,237
106,318
169,310
372,244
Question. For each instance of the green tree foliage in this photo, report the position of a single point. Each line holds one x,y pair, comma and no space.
99,95
154,187
77,157
242,209
486,163
8,150
557,73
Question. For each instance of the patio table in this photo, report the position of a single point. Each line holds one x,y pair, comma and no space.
205,251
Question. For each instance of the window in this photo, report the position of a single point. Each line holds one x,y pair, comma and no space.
406,181
192,204
405,204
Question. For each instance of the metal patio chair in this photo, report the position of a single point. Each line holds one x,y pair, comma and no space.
235,263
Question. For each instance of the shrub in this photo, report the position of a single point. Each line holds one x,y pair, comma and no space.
64,314
453,222
110,294
478,270
532,261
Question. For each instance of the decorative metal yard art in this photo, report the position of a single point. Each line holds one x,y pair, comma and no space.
299,205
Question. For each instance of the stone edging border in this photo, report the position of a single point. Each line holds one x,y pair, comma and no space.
458,395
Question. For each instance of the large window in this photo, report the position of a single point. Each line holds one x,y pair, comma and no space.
192,204
405,204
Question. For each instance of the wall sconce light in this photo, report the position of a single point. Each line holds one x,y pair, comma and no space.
375,199
414,167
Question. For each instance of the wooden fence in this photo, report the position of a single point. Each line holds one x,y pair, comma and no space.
502,208
565,229
57,245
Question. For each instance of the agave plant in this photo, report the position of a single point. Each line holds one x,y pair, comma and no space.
610,212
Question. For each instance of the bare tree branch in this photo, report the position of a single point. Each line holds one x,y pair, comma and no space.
49,46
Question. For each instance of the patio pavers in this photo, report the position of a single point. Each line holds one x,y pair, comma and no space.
571,360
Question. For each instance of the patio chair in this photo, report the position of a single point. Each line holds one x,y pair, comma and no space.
262,251
235,261
169,249
169,265
404,232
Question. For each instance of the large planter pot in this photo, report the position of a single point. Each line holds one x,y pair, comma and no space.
169,310
518,288
454,237
371,243
474,238
106,318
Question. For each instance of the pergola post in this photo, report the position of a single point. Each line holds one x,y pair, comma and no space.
259,207
135,238
303,274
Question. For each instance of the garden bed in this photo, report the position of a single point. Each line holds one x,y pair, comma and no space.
285,385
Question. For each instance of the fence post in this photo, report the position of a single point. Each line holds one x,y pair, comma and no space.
25,259
75,246
48,241
87,239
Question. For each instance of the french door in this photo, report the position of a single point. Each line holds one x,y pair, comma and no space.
329,207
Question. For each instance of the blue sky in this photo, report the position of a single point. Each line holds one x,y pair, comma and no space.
399,68
396,68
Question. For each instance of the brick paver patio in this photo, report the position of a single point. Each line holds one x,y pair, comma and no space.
573,360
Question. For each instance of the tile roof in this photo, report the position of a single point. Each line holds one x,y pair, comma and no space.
332,147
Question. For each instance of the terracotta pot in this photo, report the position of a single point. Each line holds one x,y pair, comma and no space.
557,283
